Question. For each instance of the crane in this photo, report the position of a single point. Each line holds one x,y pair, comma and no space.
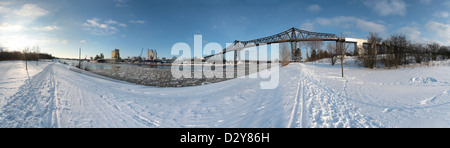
141,54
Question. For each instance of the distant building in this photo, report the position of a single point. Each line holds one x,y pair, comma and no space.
115,54
152,54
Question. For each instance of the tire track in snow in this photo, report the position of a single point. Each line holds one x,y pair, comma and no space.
303,105
56,115
293,117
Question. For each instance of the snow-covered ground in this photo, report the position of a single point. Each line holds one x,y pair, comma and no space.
308,95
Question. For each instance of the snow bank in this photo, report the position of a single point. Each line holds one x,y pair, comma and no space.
424,80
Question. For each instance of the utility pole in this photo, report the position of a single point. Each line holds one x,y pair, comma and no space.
341,45
25,52
340,49
79,59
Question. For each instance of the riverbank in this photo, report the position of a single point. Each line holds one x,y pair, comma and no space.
161,76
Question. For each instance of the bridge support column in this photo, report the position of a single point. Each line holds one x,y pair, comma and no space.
359,46
356,50
224,67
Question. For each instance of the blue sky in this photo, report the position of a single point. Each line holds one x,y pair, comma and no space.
60,27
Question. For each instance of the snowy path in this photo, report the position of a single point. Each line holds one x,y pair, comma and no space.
33,105
308,96
13,75
319,106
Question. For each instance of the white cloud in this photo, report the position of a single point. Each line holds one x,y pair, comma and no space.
6,27
4,7
5,3
50,28
92,22
97,28
442,14
412,33
369,26
104,26
122,25
46,28
308,26
446,4
137,21
17,41
23,15
64,42
121,3
441,30
18,27
31,10
83,41
387,7
111,21
352,22
314,8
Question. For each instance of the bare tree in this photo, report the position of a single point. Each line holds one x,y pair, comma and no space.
399,45
307,56
315,47
369,60
285,55
444,52
331,48
341,48
418,51
434,47
389,58
37,51
1,53
25,52
296,53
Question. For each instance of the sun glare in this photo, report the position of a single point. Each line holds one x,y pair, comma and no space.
18,42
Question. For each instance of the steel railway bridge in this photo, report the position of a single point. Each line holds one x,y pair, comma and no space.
292,36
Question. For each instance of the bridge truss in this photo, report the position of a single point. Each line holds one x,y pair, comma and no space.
292,35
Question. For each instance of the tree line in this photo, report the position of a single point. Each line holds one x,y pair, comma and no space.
394,51
25,55
397,50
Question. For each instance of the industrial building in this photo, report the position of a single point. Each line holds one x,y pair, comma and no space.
152,54
115,54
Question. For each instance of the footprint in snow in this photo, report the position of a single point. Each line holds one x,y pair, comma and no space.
259,108
387,110
243,114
